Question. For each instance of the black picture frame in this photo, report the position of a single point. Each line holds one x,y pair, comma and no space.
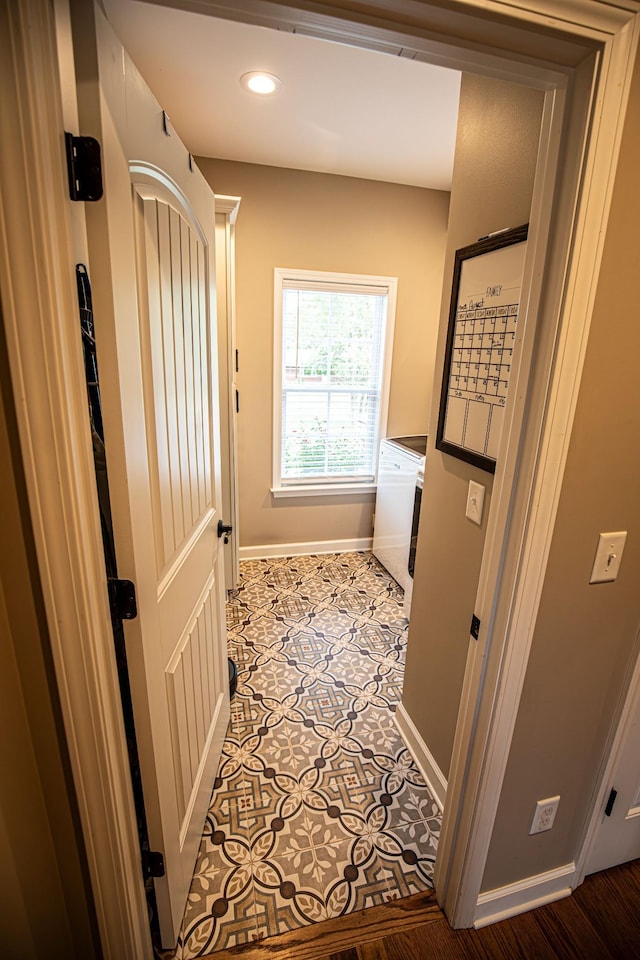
483,313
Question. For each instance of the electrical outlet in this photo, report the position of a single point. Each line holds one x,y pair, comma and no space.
545,815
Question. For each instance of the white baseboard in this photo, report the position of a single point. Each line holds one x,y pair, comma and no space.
265,551
436,780
527,894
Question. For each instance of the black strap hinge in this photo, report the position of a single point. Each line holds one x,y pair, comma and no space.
474,630
84,167
152,864
610,803
122,597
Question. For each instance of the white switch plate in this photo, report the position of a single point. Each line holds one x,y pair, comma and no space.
475,501
608,557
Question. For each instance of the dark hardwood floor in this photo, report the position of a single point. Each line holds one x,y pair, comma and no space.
600,921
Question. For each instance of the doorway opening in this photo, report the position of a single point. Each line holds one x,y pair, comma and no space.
221,174
81,709
240,400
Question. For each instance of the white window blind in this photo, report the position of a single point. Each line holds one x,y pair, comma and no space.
332,382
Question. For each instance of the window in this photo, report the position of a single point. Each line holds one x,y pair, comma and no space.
331,380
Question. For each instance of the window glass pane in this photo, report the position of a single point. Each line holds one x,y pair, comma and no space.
304,434
332,367
351,421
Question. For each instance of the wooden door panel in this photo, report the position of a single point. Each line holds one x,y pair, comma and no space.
193,699
207,436
180,587
200,346
161,398
195,464
178,378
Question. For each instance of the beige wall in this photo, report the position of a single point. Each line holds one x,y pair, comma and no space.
291,218
585,634
498,129
45,909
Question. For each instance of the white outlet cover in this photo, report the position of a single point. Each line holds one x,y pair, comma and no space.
475,501
544,815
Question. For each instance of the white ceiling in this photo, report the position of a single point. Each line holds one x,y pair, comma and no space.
341,109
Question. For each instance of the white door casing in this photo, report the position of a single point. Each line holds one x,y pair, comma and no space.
45,356
228,366
151,251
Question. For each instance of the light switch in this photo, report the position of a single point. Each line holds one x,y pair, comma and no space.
608,557
475,501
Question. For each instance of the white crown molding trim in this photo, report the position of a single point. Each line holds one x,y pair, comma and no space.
527,894
229,206
435,778
267,550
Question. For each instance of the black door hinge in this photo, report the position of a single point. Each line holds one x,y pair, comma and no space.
152,864
84,167
122,597
610,803
474,630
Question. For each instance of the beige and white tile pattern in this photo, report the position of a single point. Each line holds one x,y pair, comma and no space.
318,808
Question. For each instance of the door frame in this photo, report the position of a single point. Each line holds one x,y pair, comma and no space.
226,214
37,280
36,276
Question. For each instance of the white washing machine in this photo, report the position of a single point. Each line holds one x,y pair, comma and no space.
401,460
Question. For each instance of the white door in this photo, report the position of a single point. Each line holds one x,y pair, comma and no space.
617,837
151,262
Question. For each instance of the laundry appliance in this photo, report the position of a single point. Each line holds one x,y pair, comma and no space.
399,492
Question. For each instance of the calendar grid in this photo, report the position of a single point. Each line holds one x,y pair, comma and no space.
481,360
483,346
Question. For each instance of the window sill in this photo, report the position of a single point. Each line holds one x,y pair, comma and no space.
322,490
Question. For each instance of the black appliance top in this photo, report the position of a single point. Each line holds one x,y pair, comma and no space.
415,444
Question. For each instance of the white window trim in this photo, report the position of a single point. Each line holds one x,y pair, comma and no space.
323,489
339,487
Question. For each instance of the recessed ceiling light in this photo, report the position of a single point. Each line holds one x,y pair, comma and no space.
259,82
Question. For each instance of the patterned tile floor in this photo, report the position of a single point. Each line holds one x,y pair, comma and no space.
318,808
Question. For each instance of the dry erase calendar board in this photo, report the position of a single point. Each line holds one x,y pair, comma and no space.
485,299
